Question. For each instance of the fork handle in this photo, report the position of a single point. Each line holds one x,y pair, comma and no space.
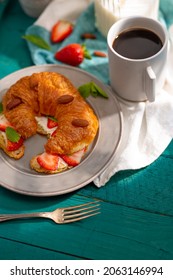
6,217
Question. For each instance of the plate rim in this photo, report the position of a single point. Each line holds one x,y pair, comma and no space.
91,178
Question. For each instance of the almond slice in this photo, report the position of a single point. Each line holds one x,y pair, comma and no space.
65,99
80,123
13,103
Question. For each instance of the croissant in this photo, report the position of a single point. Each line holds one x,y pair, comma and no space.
51,94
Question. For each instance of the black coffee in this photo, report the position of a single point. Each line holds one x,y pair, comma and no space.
137,43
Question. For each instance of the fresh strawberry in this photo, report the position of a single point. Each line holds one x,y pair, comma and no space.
13,146
54,133
72,54
4,123
61,30
75,158
48,161
52,122
3,126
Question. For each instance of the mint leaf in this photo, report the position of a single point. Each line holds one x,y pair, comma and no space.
94,91
91,89
1,107
38,41
12,134
52,118
85,90
99,90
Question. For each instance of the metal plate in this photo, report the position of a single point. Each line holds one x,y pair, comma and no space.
17,175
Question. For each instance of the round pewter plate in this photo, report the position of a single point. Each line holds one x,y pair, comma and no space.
16,175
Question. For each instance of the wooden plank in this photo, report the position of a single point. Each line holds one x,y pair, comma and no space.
149,189
12,250
118,233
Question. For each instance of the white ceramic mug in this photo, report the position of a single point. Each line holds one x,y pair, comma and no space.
137,79
34,8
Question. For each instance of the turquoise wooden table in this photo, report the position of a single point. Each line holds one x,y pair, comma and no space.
136,220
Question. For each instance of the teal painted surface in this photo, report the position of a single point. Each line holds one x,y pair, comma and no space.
13,250
119,232
149,189
14,54
136,220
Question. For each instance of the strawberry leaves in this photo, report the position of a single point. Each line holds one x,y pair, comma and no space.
91,89
86,53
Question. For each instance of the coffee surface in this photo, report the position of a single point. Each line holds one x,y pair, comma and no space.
137,43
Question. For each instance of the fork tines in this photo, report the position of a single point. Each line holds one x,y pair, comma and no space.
79,212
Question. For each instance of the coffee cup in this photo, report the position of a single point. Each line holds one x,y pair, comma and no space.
137,53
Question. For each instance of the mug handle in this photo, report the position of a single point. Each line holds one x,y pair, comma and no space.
150,84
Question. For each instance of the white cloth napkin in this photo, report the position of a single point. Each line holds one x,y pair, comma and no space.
62,9
147,131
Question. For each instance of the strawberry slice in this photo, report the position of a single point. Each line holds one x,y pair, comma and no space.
3,126
4,123
48,161
61,30
52,122
13,146
54,133
72,54
75,158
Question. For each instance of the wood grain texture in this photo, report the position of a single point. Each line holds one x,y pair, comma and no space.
119,232
12,250
149,188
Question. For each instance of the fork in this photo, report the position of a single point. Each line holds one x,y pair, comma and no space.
60,215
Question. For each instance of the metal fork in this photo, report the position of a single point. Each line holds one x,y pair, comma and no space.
60,215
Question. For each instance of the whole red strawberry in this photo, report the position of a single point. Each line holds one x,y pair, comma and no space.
72,54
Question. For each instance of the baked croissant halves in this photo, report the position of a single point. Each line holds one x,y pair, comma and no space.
48,94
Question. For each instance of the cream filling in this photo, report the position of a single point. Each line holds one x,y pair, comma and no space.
3,134
3,120
61,163
42,121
